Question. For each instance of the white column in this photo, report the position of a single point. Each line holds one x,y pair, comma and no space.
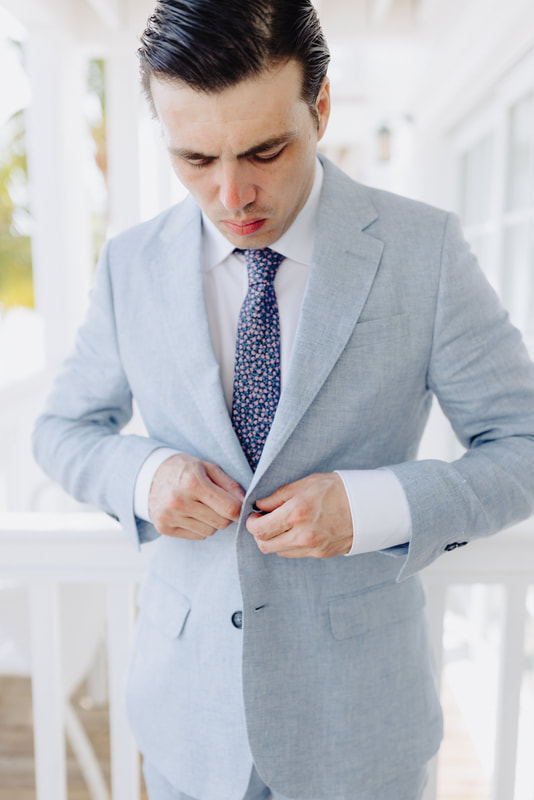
436,602
47,691
124,756
159,185
510,679
123,96
57,145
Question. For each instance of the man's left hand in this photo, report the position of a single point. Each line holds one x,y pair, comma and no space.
309,518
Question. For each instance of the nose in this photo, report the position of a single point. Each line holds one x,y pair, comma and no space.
236,190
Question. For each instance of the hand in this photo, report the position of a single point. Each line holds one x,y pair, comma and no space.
309,518
191,499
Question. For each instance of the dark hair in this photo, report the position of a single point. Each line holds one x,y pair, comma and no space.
213,44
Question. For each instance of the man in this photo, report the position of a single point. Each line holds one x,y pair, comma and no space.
281,646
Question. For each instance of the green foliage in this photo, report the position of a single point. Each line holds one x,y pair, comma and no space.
16,280
16,285
96,82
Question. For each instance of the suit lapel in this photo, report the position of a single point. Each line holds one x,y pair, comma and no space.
178,273
343,268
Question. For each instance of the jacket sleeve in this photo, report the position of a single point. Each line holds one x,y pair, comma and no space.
77,440
481,374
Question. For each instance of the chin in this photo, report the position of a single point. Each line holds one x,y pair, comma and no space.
251,242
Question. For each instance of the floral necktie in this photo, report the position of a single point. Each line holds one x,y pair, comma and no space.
257,358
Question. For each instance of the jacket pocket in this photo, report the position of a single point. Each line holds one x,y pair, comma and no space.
163,605
358,613
374,332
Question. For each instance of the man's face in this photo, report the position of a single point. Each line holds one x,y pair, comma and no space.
246,154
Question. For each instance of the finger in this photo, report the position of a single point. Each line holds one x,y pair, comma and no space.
219,477
286,540
224,501
197,517
268,526
289,551
340,548
180,533
223,494
280,496
296,553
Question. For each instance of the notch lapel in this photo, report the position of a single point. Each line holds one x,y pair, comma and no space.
342,271
178,273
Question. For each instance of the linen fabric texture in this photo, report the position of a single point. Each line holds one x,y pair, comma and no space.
408,786
329,683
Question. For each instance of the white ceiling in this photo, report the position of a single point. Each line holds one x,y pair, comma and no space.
379,47
340,18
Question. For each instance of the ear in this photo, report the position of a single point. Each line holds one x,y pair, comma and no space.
322,106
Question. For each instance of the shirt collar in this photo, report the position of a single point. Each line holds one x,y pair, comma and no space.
296,243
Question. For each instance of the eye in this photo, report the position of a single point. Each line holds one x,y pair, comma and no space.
198,162
269,155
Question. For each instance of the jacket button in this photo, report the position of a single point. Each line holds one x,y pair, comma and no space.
237,619
453,545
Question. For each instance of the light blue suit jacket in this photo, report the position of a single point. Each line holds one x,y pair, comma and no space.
337,683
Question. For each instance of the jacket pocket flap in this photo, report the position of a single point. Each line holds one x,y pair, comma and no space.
375,331
355,614
164,606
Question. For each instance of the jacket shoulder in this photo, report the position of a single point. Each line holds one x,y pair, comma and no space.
398,207
391,211
135,241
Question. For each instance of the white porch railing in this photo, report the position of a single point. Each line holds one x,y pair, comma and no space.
44,551
506,559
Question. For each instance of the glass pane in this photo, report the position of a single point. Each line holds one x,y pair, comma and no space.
476,169
517,274
520,172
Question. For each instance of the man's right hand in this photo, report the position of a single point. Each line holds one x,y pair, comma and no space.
191,499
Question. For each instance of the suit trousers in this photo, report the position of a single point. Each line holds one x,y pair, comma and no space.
406,786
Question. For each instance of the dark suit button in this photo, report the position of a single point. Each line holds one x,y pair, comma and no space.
454,545
237,619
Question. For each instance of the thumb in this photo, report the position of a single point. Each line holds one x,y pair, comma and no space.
224,481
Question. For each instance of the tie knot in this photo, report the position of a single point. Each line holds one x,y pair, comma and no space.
262,265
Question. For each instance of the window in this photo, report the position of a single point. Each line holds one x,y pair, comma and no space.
517,263
495,166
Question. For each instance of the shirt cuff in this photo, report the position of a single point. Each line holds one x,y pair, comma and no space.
380,511
145,477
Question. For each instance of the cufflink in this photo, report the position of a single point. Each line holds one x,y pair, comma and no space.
453,546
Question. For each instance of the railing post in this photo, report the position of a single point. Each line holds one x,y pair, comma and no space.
436,594
510,677
45,549
124,756
47,691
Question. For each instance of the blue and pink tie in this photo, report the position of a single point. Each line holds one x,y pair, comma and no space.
256,389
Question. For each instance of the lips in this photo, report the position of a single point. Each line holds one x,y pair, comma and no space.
244,228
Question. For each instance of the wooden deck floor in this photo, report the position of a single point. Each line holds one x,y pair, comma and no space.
460,776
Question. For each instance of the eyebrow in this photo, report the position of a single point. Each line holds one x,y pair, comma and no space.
268,144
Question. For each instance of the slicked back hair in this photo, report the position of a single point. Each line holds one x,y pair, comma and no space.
211,45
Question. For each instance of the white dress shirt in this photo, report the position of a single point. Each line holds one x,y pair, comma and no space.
380,512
